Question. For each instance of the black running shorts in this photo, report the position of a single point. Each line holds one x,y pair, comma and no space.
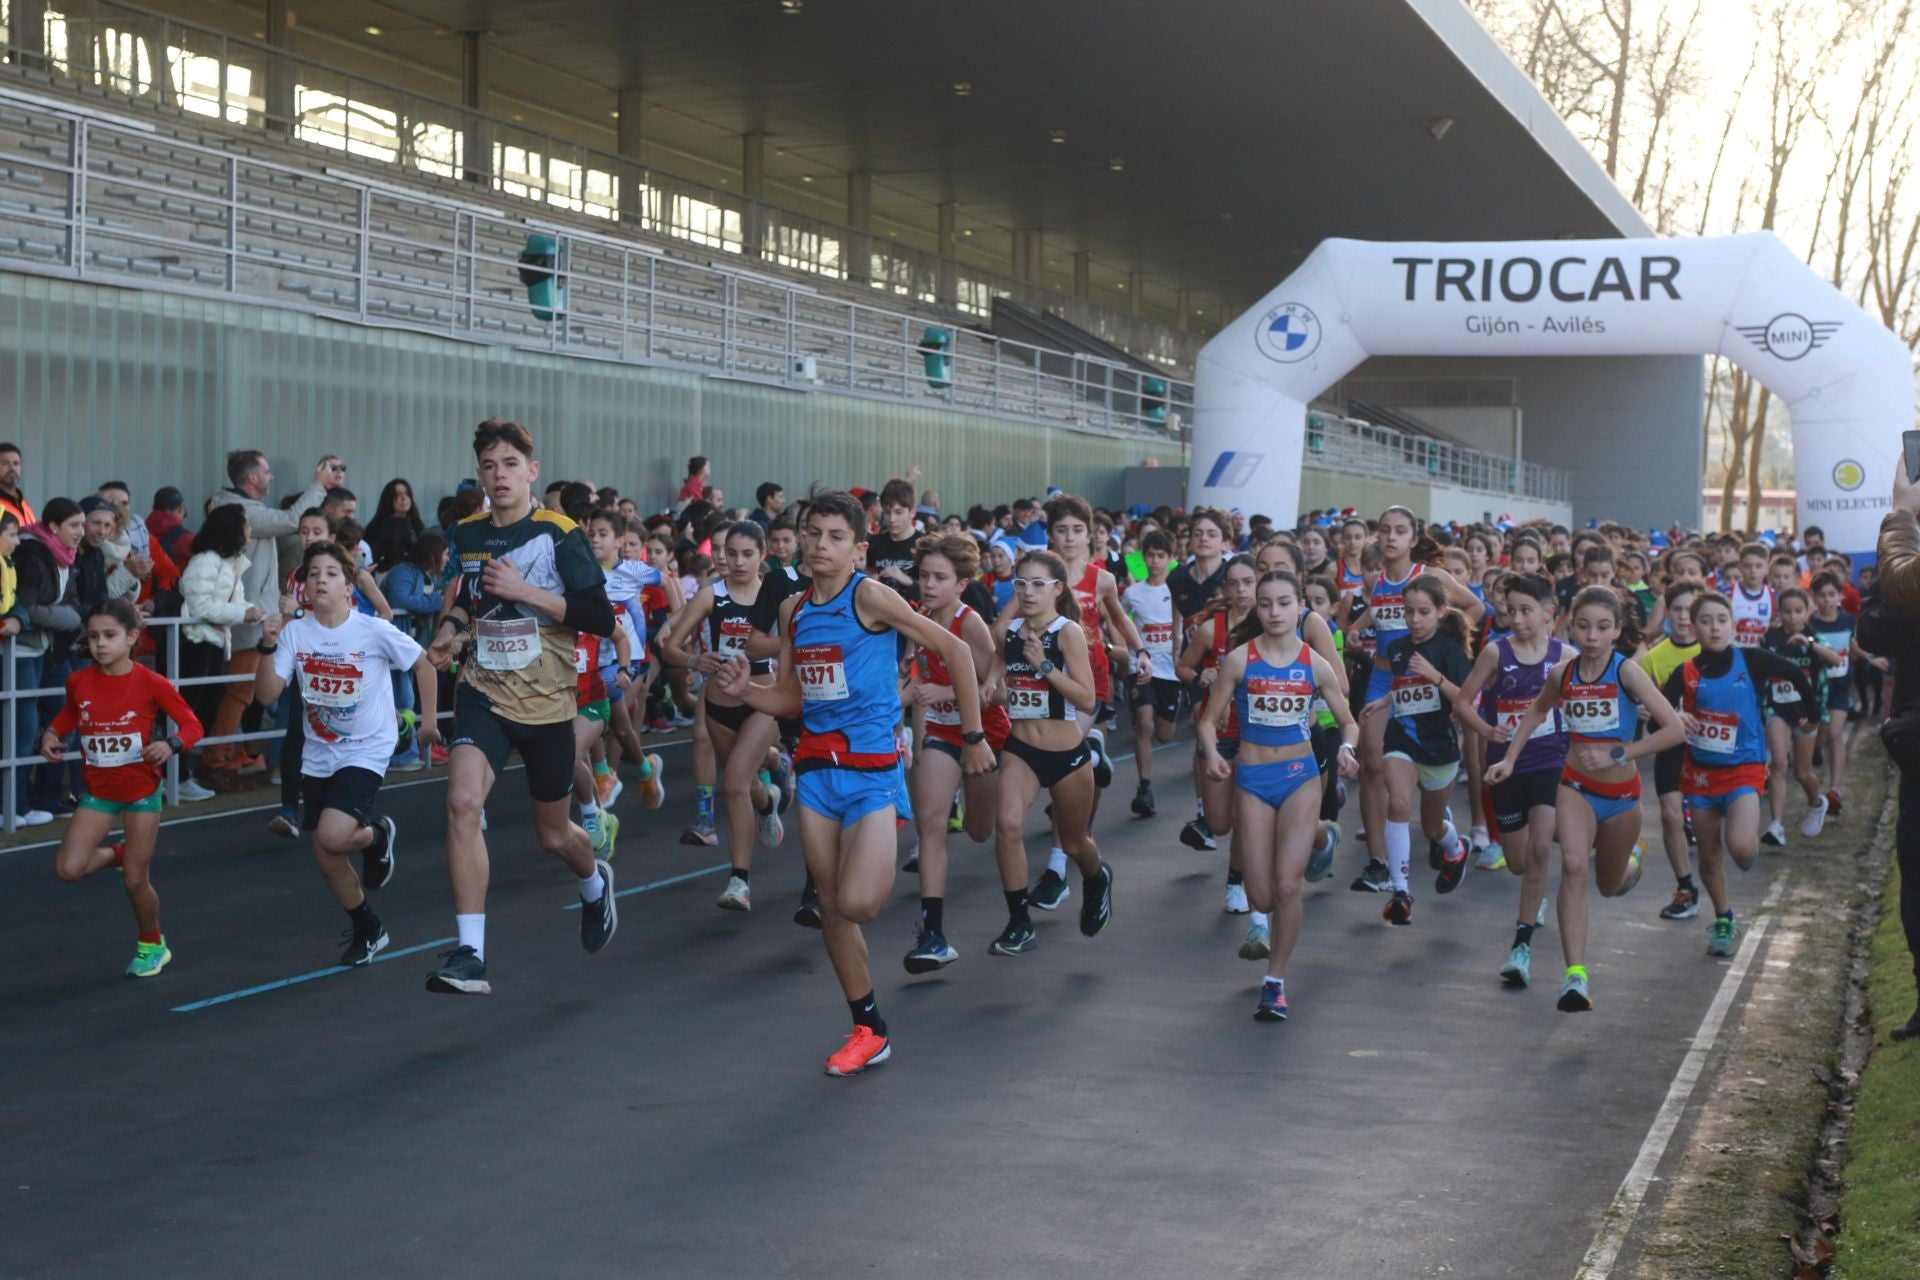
546,749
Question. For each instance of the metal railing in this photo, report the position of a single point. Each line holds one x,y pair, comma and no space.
1351,446
232,84
111,200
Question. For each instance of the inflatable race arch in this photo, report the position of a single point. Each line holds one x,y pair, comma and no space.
1847,381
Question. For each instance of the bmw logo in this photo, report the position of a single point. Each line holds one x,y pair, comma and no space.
1289,333
1848,474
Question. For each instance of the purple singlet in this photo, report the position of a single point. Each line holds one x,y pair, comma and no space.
1514,686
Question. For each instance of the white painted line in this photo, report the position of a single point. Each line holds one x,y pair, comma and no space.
1620,1215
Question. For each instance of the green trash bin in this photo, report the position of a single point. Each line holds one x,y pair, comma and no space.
934,347
537,262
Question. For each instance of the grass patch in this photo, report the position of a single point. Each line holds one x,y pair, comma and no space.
1880,1206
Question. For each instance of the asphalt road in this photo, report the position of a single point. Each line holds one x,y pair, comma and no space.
1103,1108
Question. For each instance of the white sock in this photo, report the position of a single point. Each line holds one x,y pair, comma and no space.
1057,861
473,933
1450,838
1259,920
590,818
591,887
1397,844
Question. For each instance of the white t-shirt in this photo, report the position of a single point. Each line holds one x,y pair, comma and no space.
346,689
1151,609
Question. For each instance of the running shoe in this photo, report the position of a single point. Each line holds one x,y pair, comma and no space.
1096,909
149,958
912,863
930,952
1102,767
700,833
736,896
1540,916
864,1048
1197,835
1016,939
1636,863
362,947
1236,900
464,973
1685,905
406,763
191,792
653,787
1816,818
1833,804
603,838
1320,861
1258,944
1517,971
1143,806
1451,868
1574,997
1722,937
377,859
437,755
247,765
807,914
1775,835
599,919
957,816
1049,892
1399,908
1492,858
1373,878
285,824
769,828
1436,855
40,817
1273,1002
1478,841
608,787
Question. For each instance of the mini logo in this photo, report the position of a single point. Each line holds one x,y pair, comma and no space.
1788,336
1848,474
1232,470
1289,333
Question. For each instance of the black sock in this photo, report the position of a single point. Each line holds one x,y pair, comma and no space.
1089,883
1234,877
1017,904
1145,785
810,888
1523,933
364,921
867,1014
745,876
1686,885
931,912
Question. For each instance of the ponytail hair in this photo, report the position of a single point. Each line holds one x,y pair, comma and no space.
1065,603
1452,621
120,611
1250,625
1616,602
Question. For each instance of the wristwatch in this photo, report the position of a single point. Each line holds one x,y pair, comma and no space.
975,738
264,649
1619,753
1047,668
179,747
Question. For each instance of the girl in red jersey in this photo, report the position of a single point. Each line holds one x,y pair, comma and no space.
113,704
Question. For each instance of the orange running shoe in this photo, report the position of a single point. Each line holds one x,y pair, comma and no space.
865,1048
653,792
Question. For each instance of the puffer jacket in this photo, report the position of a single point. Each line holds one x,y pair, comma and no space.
213,588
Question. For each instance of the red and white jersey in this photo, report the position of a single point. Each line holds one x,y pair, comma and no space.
1752,614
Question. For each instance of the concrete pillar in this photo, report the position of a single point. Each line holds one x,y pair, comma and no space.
753,180
1082,275
476,91
627,142
280,74
947,288
1136,288
860,220
1183,305
27,31
1029,262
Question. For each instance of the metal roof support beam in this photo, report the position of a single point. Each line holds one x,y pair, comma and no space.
476,88
947,289
28,33
1082,275
753,181
860,219
1136,289
1029,261
628,142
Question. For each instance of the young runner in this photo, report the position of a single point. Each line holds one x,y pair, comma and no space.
1602,693
1833,628
1420,745
1047,680
1506,678
837,670
1793,726
1199,667
343,662
628,579
1277,682
1149,604
527,586
593,711
1722,692
1752,599
943,565
114,704
1676,827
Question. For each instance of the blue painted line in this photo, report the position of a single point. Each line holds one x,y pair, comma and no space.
308,977
661,884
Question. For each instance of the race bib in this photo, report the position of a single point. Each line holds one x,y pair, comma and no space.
1157,637
1509,711
1279,704
108,750
1716,734
1782,692
1841,643
506,644
1413,696
1592,709
946,712
329,684
1389,613
580,659
733,636
1027,697
1747,632
822,672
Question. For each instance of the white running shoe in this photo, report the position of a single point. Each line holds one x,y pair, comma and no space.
191,792
1540,916
1237,904
769,828
1816,818
736,896
40,817
1775,835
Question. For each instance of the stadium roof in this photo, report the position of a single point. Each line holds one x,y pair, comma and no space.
1246,131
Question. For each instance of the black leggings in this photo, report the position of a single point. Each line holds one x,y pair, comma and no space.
1906,846
198,660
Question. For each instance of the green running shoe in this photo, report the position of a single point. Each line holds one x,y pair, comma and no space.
603,838
1516,972
149,958
1725,933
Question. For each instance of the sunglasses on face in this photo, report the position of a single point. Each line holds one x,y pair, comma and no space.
1033,584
